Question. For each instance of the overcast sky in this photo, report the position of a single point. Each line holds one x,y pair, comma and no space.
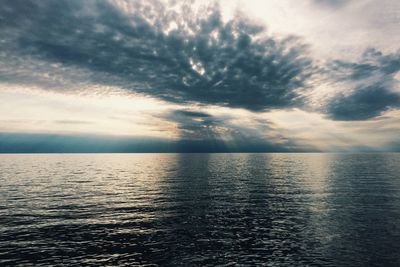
254,75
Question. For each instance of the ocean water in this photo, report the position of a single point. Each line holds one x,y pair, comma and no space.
200,209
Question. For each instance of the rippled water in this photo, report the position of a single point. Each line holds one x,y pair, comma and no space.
200,209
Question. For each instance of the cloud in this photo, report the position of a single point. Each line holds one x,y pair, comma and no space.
149,47
196,125
363,103
371,83
185,54
73,122
229,132
332,3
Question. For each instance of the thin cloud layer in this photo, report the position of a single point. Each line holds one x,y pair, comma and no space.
332,3
181,56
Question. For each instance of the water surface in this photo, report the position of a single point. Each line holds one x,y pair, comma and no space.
200,209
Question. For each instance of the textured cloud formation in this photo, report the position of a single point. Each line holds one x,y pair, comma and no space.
363,103
373,87
180,54
149,47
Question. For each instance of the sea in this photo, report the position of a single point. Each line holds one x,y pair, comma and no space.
288,209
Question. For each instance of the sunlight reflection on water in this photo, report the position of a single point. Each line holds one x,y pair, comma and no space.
200,209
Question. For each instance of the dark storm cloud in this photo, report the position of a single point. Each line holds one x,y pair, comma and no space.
364,103
152,49
372,87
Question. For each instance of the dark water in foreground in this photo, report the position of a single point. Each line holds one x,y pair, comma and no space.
200,210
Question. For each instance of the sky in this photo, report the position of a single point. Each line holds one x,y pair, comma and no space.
199,76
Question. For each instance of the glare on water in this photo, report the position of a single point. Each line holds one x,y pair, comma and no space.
200,209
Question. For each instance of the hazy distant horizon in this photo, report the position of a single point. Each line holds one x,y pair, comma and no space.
56,143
